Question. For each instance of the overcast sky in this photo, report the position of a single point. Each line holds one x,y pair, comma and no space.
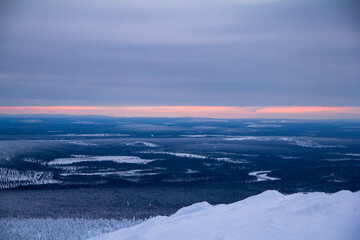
172,52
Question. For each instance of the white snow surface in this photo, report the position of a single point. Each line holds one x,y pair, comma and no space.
262,176
129,173
297,141
84,158
81,143
267,216
229,160
139,143
183,155
93,135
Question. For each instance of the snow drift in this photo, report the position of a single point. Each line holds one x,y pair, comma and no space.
269,215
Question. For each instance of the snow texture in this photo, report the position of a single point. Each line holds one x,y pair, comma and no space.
267,216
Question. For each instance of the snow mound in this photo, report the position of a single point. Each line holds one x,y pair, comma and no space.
269,215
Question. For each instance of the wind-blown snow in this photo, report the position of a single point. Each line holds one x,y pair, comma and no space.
269,215
84,158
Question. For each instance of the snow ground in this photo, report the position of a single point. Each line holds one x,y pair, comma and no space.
304,142
117,159
139,143
182,155
229,160
262,176
267,216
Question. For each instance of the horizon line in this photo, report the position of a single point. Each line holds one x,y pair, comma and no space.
224,112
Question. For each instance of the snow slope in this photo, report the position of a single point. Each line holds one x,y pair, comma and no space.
269,215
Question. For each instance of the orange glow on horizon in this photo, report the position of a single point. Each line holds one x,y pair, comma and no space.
193,111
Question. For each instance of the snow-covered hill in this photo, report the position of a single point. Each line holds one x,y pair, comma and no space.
269,215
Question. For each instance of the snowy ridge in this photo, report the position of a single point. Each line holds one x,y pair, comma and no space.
269,215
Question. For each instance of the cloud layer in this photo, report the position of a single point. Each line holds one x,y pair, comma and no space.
220,53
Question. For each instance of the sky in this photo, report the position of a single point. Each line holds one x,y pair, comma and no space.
292,112
246,54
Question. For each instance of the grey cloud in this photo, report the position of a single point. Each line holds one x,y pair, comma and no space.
180,52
